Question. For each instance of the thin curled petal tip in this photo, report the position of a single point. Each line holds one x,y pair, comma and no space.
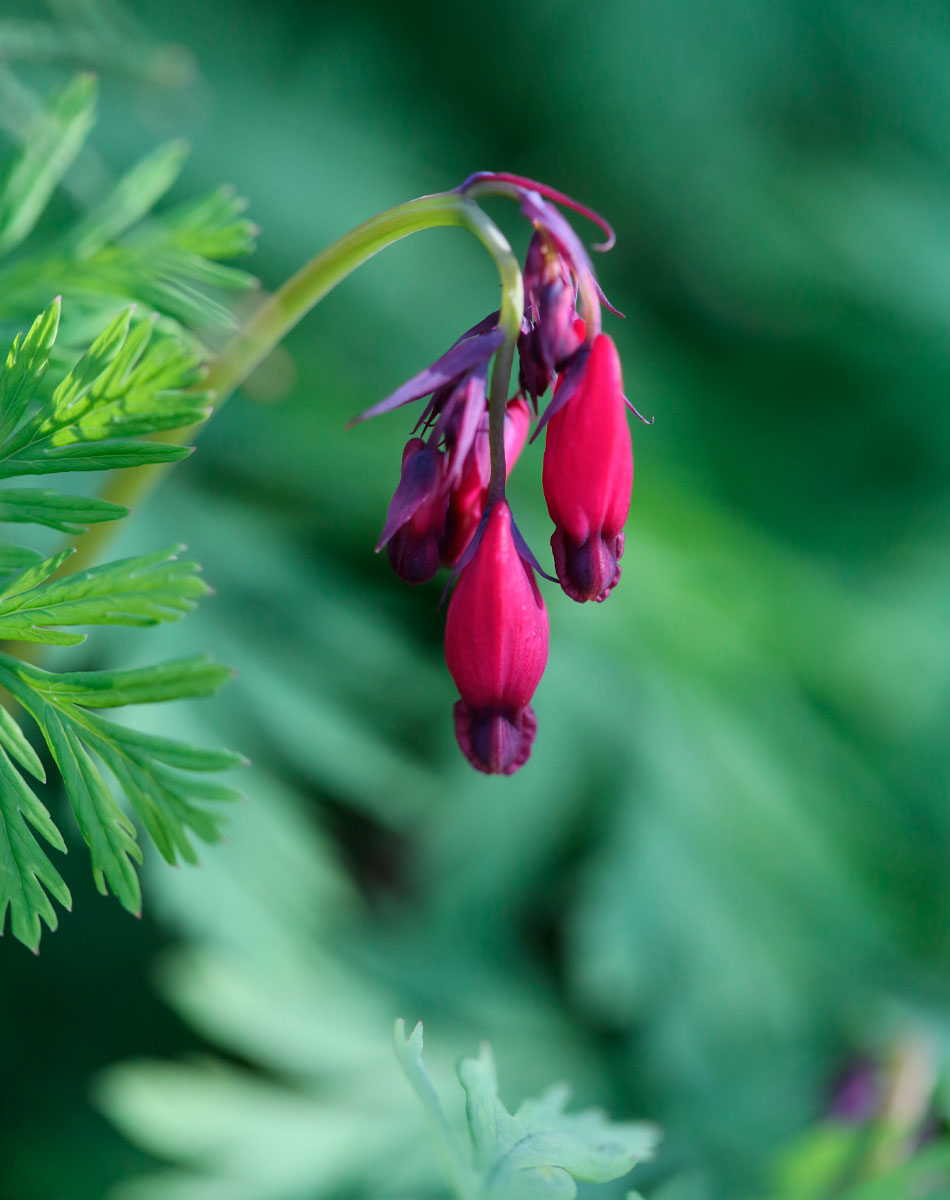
549,193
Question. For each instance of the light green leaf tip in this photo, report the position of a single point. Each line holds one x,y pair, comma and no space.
50,147
27,877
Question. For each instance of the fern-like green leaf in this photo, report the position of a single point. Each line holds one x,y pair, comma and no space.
27,877
56,510
156,775
116,251
33,573
179,679
132,591
50,147
90,399
16,745
107,456
213,227
25,366
128,384
15,558
132,198
107,830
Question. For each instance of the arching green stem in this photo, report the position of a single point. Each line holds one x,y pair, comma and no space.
287,306
291,302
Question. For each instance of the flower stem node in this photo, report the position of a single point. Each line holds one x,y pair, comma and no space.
496,648
587,476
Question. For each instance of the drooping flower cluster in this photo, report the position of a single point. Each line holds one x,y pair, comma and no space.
449,508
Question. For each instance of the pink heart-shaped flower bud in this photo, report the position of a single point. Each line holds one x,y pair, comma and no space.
588,476
496,648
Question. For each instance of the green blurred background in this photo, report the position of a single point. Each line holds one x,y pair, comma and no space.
722,879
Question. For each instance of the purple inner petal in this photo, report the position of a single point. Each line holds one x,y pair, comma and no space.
474,404
484,326
560,231
454,363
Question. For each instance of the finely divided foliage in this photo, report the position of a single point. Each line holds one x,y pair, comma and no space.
536,1153
84,400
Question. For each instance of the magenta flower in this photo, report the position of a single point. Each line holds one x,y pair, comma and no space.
588,475
496,648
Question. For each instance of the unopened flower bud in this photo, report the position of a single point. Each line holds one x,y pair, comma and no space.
416,515
554,334
588,476
496,648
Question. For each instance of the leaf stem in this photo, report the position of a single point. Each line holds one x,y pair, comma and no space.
458,1173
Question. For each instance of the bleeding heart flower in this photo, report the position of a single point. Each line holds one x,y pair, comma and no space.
496,648
588,475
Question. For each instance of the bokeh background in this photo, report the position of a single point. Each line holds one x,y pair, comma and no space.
721,884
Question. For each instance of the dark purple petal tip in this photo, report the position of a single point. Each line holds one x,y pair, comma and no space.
414,557
589,571
496,742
